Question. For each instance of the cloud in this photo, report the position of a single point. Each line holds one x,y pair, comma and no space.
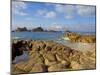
29,19
50,14
68,16
18,7
67,10
46,13
85,28
86,10
70,11
41,12
57,27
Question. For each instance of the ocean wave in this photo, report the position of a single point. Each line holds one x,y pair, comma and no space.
16,37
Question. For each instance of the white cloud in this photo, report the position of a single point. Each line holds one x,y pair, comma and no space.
57,27
18,7
68,16
46,14
86,10
41,12
67,10
50,14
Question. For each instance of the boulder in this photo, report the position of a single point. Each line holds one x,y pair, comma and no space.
50,56
57,67
38,68
75,65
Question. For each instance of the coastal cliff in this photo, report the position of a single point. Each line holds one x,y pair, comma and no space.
47,56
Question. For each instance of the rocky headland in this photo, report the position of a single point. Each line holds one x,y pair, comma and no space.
37,29
48,56
75,37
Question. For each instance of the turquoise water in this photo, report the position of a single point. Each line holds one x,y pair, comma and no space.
40,35
37,35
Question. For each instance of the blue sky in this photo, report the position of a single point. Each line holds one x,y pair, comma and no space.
53,16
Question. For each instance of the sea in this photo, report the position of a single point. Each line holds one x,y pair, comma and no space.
42,35
51,36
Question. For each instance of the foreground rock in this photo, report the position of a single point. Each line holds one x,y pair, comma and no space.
74,37
46,56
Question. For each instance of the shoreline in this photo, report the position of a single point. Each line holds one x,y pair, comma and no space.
79,46
75,37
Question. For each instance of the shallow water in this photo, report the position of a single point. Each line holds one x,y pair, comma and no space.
37,35
23,57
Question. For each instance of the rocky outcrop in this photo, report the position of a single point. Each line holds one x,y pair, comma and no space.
74,37
48,56
21,29
19,46
38,29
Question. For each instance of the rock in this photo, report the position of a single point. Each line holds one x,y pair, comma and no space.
74,37
22,67
38,29
21,29
66,63
87,60
38,45
48,62
16,49
36,58
59,57
38,68
50,56
57,67
75,65
75,56
48,48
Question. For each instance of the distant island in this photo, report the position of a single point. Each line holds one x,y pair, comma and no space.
37,29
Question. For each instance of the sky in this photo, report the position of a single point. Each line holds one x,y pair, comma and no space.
53,16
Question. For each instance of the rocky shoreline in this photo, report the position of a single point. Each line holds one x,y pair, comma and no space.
48,56
75,37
